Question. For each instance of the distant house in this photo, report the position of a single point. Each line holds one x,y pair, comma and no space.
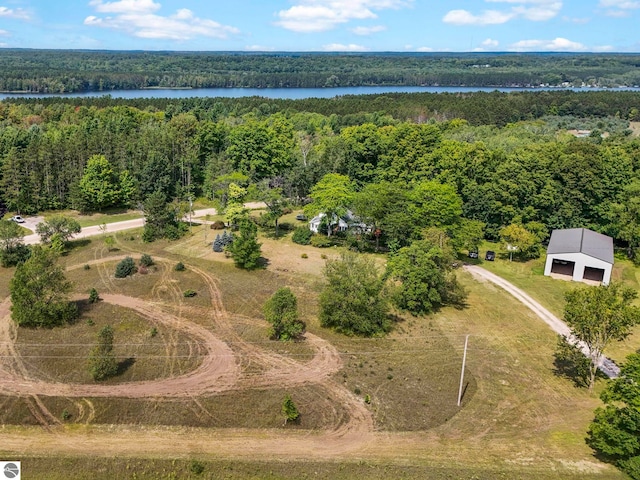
342,224
581,255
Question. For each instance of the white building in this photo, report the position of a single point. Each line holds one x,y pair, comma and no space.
580,254
342,224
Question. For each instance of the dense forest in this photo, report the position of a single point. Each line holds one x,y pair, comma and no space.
530,171
59,71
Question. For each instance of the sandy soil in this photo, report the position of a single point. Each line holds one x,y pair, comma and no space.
220,370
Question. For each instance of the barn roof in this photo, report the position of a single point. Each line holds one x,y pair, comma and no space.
582,240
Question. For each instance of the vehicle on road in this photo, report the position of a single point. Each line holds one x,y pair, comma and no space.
17,219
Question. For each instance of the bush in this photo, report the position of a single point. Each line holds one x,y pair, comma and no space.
302,236
142,270
189,293
196,467
86,266
304,255
125,268
179,267
320,241
146,260
217,225
15,255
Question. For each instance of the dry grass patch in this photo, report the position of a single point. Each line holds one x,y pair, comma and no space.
60,354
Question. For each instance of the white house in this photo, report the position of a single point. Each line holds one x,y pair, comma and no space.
341,224
580,254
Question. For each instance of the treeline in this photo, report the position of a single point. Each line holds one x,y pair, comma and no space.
60,71
478,108
523,173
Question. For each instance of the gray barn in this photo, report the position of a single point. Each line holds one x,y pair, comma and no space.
580,254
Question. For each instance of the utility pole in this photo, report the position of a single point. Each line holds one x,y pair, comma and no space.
464,360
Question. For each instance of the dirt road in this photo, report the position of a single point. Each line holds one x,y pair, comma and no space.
607,366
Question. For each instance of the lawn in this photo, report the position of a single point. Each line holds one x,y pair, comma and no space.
518,418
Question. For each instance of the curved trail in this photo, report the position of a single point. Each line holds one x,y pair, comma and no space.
219,371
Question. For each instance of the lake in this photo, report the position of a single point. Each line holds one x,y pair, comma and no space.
284,93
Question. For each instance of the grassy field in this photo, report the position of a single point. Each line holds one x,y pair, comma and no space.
518,419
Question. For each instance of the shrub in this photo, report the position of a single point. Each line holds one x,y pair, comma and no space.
302,236
13,256
146,260
289,410
320,241
217,225
125,268
153,332
304,255
143,270
86,266
217,244
196,467
189,293
179,267
66,415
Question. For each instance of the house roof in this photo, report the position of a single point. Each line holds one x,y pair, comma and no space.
582,240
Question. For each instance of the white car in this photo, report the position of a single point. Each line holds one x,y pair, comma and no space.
17,219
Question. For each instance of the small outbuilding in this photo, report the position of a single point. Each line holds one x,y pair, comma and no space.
581,255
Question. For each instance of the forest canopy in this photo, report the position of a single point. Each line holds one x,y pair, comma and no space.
501,158
64,71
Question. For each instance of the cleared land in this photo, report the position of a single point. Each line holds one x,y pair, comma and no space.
519,419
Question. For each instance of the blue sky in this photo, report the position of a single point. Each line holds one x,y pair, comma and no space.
323,25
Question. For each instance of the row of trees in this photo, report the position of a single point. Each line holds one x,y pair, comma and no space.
71,71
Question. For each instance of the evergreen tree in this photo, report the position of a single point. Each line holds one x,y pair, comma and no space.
218,245
245,249
102,361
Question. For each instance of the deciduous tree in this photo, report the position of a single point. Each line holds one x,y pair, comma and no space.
599,316
102,361
57,226
332,195
615,430
281,311
39,291
352,301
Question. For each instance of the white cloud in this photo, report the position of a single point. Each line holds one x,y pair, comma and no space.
259,48
533,10
18,13
339,47
368,30
136,18
424,49
556,45
125,6
490,42
321,15
619,8
488,17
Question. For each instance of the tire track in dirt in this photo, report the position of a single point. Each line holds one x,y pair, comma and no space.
221,368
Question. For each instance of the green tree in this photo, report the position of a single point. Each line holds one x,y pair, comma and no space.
12,250
352,301
39,291
100,185
599,316
467,234
615,430
515,238
424,281
102,361
160,218
332,195
245,248
281,311
289,410
57,226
